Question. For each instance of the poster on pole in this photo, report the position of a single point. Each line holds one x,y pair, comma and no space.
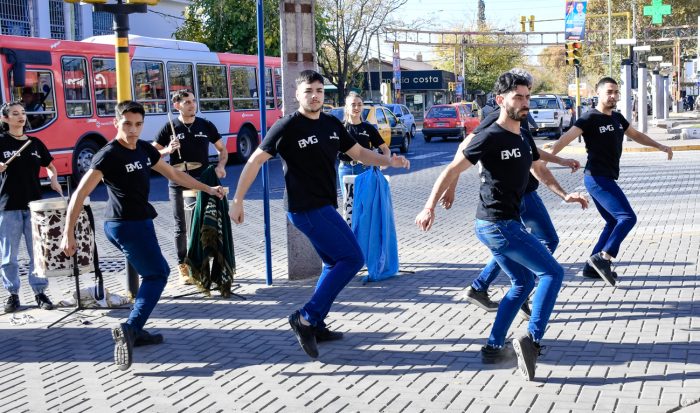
575,19
396,66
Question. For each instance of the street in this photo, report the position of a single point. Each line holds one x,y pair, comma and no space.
411,342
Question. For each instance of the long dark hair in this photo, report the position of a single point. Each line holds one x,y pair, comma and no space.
5,111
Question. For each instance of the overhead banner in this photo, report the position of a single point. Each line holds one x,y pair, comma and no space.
575,19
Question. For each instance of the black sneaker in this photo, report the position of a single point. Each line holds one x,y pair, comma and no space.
602,267
305,335
43,301
589,272
144,338
12,303
525,311
481,299
495,355
324,334
123,336
527,352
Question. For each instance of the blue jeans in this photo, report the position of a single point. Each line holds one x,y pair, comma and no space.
537,220
613,206
522,257
341,255
137,240
14,224
347,169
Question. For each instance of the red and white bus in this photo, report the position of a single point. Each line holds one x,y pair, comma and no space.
70,91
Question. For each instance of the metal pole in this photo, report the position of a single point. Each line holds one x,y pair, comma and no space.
263,131
610,37
577,73
379,67
121,30
642,98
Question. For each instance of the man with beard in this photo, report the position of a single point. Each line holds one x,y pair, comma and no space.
506,157
603,131
308,142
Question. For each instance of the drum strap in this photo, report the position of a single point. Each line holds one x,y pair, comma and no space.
99,283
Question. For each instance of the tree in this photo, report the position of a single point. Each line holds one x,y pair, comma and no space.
350,26
483,64
231,25
552,75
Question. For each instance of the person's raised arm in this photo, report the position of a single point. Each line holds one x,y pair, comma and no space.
645,140
426,218
90,180
367,157
543,174
565,139
53,177
250,171
223,158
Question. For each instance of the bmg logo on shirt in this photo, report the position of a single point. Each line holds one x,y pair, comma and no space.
131,167
8,154
609,128
513,153
308,141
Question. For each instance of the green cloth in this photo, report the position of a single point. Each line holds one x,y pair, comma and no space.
211,238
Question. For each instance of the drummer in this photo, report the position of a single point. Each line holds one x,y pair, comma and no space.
19,185
125,164
189,152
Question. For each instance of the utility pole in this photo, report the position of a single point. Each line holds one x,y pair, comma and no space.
379,63
610,65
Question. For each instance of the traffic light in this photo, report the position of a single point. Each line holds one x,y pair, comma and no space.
532,23
148,2
451,86
573,53
522,23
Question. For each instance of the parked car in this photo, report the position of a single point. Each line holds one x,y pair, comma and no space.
570,105
550,114
454,120
327,107
475,110
391,129
407,118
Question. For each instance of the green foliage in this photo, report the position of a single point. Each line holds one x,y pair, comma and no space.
231,25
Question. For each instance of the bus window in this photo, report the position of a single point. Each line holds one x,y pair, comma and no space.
180,76
269,95
75,86
149,86
37,97
244,87
213,90
104,77
278,86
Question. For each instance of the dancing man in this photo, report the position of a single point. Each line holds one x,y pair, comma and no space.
308,141
603,131
506,157
188,148
124,165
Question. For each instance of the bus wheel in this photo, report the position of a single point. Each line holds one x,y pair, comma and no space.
245,145
82,158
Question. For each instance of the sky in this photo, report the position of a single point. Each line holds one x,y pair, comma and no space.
447,14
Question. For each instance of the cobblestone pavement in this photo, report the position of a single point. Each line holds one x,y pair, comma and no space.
412,343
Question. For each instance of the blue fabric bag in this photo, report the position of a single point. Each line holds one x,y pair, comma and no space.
373,225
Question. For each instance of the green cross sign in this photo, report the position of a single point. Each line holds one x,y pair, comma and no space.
657,11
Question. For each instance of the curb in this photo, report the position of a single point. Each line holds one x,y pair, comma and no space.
582,150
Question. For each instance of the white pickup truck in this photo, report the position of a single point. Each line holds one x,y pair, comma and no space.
550,114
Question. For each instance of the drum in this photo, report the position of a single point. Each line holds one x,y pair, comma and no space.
187,166
48,222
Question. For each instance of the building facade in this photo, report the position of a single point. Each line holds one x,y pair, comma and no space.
55,19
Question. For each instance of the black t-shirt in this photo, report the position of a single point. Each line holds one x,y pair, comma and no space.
505,160
308,148
194,142
365,134
603,135
127,175
21,184
532,182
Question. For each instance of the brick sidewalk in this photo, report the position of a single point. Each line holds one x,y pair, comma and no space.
411,343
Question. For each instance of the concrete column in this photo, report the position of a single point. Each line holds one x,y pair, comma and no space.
86,20
42,19
298,45
642,121
656,95
626,90
667,95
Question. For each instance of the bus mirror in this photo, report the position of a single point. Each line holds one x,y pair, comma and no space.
18,74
